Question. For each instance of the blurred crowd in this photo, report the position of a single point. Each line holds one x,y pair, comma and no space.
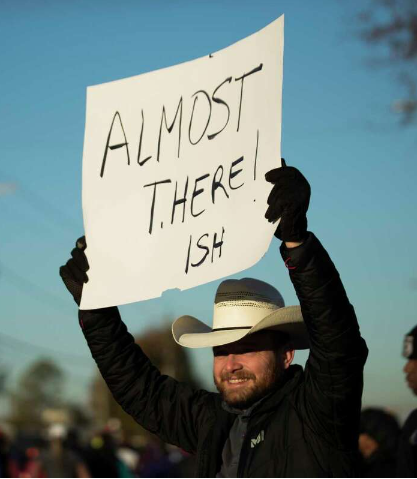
61,452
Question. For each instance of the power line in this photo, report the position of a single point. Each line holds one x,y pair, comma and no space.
56,215
25,345
53,300
34,289
70,375
66,361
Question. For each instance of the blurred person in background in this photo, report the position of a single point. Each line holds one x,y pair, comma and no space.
24,455
73,443
129,460
407,452
101,456
183,463
4,455
378,443
57,460
155,461
270,419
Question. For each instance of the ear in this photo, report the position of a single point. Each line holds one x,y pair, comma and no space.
288,356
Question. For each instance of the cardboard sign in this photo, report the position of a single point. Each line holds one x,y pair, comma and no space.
174,193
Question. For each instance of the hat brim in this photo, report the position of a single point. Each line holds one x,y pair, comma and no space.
190,332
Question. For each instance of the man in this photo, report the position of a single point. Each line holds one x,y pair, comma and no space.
407,451
270,419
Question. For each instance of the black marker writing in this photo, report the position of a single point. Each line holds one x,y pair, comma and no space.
242,78
256,154
140,143
233,174
196,129
203,246
220,102
187,199
179,201
196,192
153,200
187,263
217,245
217,183
114,147
192,116
169,128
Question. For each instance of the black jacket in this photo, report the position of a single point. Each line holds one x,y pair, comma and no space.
379,464
407,449
307,427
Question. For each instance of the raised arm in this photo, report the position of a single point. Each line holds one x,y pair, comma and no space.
160,404
334,370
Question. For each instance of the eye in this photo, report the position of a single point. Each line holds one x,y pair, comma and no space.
248,352
219,352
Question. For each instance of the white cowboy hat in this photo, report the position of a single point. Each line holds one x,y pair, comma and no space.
242,307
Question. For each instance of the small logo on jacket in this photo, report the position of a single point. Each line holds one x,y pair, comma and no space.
258,439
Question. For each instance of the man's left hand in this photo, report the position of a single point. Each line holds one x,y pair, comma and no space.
289,200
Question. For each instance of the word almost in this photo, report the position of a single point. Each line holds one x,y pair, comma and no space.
205,116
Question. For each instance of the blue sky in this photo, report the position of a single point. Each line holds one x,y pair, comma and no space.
337,128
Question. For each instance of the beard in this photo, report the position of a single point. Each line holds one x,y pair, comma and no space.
253,390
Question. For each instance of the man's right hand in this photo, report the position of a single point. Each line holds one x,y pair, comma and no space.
74,273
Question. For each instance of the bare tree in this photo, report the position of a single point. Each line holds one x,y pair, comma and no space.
164,353
39,388
391,27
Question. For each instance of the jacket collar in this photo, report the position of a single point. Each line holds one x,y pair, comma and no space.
291,379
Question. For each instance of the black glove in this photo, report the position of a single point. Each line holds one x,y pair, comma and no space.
74,273
288,200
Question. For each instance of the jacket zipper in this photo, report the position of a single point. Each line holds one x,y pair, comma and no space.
243,457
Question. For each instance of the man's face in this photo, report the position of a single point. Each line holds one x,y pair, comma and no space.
410,370
245,371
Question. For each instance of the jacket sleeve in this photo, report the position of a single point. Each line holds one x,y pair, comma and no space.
162,405
331,399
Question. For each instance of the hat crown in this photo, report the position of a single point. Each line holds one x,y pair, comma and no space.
248,288
243,307
243,303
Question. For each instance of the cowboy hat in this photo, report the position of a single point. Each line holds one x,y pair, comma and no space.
242,307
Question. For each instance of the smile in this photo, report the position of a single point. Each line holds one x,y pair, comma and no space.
237,381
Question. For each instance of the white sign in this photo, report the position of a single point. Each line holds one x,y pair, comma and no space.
174,193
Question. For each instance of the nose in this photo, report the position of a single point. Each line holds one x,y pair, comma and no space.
232,363
407,367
